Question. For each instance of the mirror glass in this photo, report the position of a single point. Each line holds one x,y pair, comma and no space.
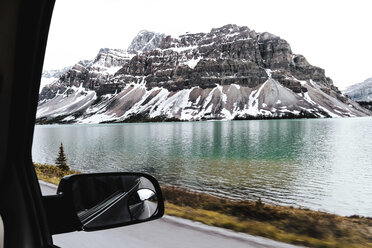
143,204
106,200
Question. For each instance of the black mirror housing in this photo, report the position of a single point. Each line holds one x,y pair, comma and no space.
100,201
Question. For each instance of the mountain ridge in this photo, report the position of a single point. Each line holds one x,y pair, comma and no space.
232,72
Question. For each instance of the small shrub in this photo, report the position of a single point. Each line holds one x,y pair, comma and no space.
61,160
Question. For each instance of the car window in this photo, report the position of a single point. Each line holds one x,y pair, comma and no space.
244,112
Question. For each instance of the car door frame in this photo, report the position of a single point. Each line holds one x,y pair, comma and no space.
24,27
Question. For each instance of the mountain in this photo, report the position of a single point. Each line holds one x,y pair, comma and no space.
51,76
90,73
231,72
361,91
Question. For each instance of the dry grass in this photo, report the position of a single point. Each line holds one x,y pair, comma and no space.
51,173
286,224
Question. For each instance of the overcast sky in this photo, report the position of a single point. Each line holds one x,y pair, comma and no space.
334,35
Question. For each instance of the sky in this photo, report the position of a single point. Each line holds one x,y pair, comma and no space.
334,35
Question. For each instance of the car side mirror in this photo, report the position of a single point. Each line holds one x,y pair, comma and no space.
99,201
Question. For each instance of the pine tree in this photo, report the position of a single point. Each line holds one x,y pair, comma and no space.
61,160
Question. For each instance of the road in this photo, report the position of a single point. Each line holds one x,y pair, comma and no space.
167,232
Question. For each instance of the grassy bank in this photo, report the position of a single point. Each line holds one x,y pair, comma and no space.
51,173
287,224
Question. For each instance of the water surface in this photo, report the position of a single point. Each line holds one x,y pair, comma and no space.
322,164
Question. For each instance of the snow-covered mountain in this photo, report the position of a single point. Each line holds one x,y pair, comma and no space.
50,76
231,72
92,74
361,91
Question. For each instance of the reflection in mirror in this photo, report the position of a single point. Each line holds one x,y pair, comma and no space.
108,200
143,204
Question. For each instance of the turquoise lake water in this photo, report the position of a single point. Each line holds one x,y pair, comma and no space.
322,164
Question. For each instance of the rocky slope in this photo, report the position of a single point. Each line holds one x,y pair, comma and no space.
231,72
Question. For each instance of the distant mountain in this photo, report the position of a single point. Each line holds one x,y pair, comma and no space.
231,72
361,91
50,76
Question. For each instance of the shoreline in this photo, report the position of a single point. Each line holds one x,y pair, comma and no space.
224,197
144,119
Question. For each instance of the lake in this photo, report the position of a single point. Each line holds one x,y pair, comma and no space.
322,164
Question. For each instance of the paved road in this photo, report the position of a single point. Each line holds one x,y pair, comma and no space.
167,232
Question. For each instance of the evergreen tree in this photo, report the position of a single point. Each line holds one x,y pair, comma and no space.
61,160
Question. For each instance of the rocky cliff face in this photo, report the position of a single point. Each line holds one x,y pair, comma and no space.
361,91
231,72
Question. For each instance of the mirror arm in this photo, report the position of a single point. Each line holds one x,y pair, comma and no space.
60,214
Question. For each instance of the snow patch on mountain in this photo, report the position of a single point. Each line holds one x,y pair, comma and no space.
192,62
217,103
71,101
